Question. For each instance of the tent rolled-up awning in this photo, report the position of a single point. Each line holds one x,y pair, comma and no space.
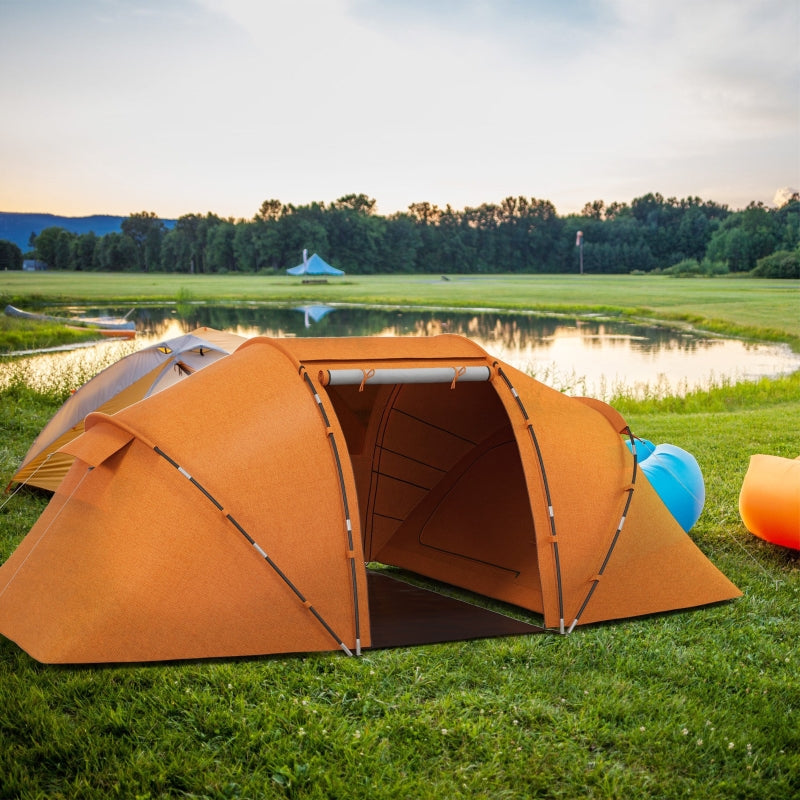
356,377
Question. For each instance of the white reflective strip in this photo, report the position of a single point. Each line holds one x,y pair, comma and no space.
355,377
621,523
349,526
550,511
259,550
184,473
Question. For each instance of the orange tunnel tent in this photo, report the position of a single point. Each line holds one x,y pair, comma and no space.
234,514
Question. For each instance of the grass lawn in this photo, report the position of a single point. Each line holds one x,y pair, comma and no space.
702,703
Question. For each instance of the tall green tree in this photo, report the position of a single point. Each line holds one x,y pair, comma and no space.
146,231
427,217
45,246
244,247
354,234
270,211
186,245
299,228
479,229
260,245
220,253
116,252
787,223
84,249
10,255
744,237
454,255
400,244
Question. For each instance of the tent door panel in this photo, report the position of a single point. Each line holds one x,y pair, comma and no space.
473,526
414,472
395,497
441,485
423,442
422,432
478,513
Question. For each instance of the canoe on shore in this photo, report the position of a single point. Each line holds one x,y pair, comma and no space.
111,333
79,322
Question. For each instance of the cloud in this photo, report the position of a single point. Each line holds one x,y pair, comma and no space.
218,104
784,195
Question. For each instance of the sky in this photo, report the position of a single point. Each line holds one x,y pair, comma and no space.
195,106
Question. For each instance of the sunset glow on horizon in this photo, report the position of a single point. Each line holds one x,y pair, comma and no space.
196,106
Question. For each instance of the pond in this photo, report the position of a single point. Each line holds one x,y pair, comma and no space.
578,355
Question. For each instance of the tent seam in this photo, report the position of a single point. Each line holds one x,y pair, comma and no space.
546,484
283,576
329,433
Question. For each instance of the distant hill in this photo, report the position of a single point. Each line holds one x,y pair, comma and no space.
18,227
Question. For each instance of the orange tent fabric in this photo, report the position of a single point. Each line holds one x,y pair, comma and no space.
233,514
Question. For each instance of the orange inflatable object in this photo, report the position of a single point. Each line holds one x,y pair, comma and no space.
769,501
233,514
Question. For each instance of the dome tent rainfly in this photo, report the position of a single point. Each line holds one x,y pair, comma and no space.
234,514
314,266
138,375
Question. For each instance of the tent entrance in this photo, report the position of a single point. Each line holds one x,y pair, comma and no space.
441,489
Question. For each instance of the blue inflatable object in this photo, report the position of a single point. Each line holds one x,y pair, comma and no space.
643,448
676,477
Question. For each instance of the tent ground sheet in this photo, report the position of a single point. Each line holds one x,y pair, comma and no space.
402,614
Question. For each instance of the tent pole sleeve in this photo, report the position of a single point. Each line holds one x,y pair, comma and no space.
346,503
360,377
278,571
616,536
546,483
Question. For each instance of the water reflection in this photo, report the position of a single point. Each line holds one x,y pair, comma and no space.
313,313
583,355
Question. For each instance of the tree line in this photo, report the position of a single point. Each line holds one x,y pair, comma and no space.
518,235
